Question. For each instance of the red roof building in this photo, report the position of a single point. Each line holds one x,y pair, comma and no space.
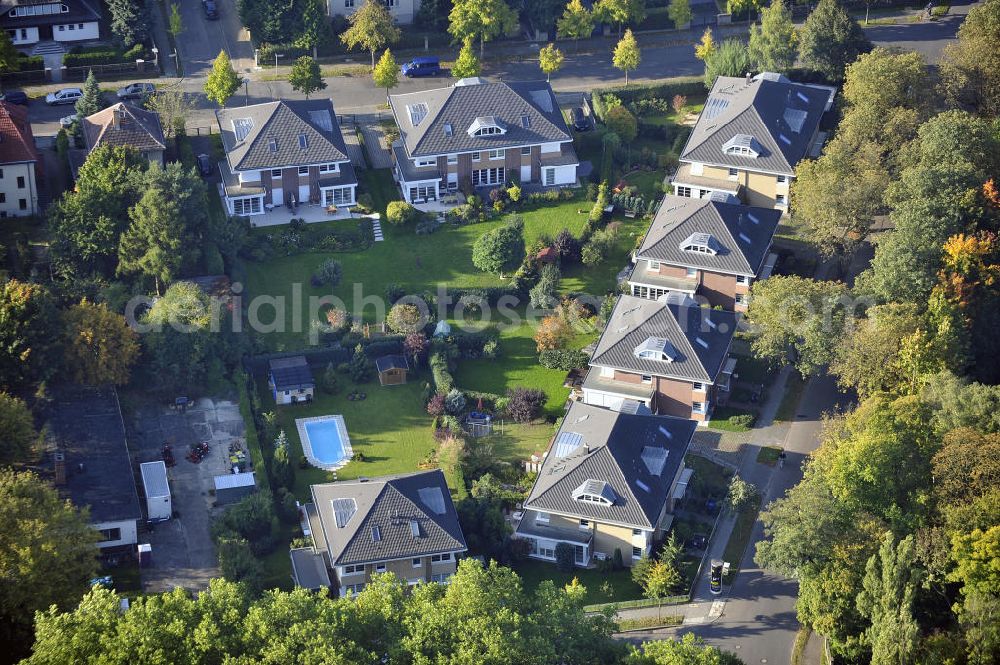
19,162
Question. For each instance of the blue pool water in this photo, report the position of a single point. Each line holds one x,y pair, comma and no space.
324,439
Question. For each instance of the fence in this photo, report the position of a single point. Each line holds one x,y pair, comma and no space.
112,71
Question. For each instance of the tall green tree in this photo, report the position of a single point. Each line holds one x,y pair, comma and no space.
91,101
500,250
887,599
866,360
550,60
306,76
47,552
8,54
577,22
316,28
467,64
831,40
129,21
627,55
98,346
773,41
18,427
223,81
620,12
175,24
372,28
484,20
687,650
29,333
679,12
970,68
730,58
386,73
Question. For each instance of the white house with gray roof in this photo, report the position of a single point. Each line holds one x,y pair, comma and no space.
713,248
403,11
750,136
478,134
669,355
289,150
404,524
608,482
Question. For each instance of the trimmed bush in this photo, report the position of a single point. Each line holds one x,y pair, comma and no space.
400,212
564,359
329,273
454,402
524,404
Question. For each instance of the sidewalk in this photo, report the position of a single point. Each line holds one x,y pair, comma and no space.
162,40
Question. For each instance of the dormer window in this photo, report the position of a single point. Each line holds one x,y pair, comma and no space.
742,145
656,348
486,125
595,491
701,243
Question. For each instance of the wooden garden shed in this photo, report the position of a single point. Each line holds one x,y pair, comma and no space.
392,370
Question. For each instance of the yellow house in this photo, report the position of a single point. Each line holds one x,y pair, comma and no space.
750,137
608,484
404,524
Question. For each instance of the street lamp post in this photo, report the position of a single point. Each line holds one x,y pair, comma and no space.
246,91
276,56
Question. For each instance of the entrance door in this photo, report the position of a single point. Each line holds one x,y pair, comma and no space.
278,196
526,173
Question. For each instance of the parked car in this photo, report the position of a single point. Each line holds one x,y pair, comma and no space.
425,66
15,97
581,122
68,120
136,91
64,96
204,165
211,11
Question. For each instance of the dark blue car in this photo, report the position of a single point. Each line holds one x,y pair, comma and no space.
426,66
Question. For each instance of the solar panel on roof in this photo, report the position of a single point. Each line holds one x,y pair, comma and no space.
714,107
242,127
567,443
417,112
343,511
795,118
322,120
432,498
654,458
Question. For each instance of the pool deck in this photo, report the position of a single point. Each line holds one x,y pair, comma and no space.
345,441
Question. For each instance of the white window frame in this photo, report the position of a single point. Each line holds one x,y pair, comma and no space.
733,174
634,550
275,173
417,562
782,179
549,176
423,162
780,200
491,176
358,569
476,156
453,159
654,266
683,190
691,272
698,386
699,407
303,170
380,568
332,167
584,525
741,279
526,151
255,204
647,378
497,154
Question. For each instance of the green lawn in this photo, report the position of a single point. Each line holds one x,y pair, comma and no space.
722,419
599,280
649,183
619,583
738,539
768,455
794,387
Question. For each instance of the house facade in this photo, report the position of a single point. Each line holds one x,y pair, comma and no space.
669,355
477,134
608,484
282,152
31,21
19,163
712,248
126,125
405,524
749,138
404,11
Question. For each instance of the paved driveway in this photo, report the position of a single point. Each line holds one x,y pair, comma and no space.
183,551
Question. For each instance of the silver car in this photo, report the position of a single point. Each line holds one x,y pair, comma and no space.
64,96
136,91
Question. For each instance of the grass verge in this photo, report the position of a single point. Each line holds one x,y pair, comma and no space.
728,419
795,386
799,648
768,455
650,622
738,539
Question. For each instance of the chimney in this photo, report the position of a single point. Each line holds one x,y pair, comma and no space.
59,464
748,78
117,118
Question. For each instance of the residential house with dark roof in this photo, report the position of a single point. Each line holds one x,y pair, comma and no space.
480,134
290,380
669,355
402,11
126,125
404,524
19,163
31,21
608,482
750,136
714,248
91,464
289,150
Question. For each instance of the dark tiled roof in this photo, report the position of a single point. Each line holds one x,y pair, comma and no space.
273,134
634,320
611,449
514,105
289,373
86,424
391,362
743,232
79,10
125,125
762,109
386,510
17,144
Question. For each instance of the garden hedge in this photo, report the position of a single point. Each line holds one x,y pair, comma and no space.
684,85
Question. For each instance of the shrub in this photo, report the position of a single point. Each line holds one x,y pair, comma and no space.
491,349
253,520
514,193
329,272
524,404
393,292
543,294
742,420
435,406
427,226
564,359
567,247
366,203
454,402
238,564
328,380
360,367
287,507
565,557
599,246
337,319
400,212
553,333
405,318
443,380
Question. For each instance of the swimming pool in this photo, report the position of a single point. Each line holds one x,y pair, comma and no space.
324,441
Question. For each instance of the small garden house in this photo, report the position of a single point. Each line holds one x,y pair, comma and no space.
291,380
392,369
